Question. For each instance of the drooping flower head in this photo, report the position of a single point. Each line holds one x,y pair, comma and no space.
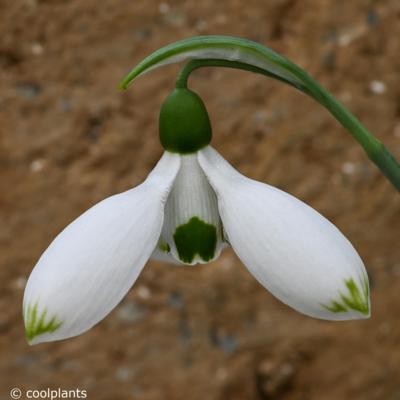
192,205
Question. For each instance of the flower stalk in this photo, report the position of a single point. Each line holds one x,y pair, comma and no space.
188,68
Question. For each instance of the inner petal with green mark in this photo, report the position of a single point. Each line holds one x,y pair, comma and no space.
196,237
38,322
192,231
355,297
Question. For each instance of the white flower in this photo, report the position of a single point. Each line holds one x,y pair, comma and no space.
187,210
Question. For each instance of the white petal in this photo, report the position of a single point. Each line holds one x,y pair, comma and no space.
192,230
290,248
93,262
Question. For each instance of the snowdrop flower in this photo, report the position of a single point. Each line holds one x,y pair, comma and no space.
192,205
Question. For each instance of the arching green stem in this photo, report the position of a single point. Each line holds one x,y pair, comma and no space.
181,80
232,52
375,150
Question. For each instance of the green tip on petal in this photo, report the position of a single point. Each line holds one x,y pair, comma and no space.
36,323
355,299
196,237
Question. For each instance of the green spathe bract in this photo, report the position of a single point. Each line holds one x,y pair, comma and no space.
36,324
356,299
184,123
233,52
196,237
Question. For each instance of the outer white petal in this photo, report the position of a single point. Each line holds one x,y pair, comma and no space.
290,248
93,262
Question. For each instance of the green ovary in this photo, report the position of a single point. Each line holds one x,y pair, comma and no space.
36,324
184,122
196,237
355,299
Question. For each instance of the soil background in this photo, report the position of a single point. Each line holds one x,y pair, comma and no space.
69,138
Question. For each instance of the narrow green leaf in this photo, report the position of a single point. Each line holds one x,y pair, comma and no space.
222,48
226,51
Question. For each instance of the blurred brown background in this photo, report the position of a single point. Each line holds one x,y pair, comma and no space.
69,139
